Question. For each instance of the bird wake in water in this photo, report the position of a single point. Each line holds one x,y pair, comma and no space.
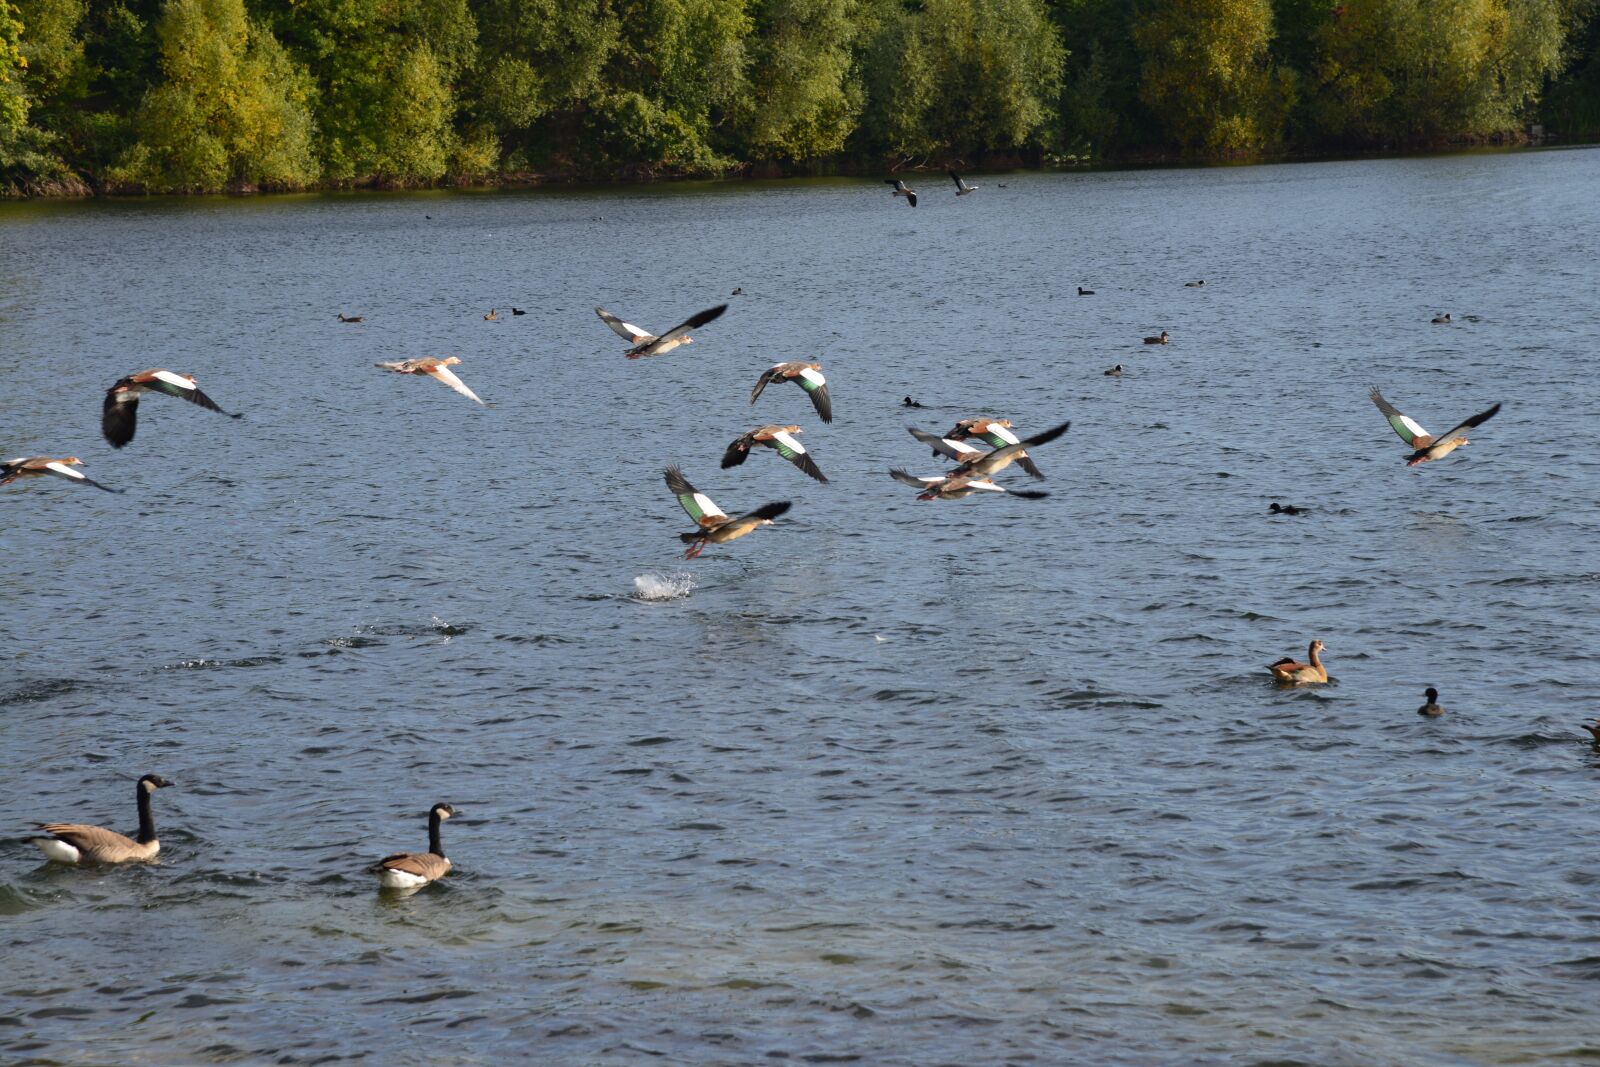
663,586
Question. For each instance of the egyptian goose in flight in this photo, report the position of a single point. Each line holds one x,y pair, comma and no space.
351,318
902,189
70,842
1289,672
413,870
980,464
119,415
648,344
807,376
996,433
957,484
962,188
1425,446
1431,709
437,369
715,527
781,440
12,469
1164,339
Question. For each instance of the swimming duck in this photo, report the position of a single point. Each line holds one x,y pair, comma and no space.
119,414
901,189
1194,284
715,527
518,311
996,433
1288,671
351,318
909,403
738,291
807,376
1431,709
1441,318
13,469
1162,340
1285,509
1114,372
1425,446
778,438
491,317
70,842
987,464
962,188
956,484
1085,292
413,870
648,344
437,369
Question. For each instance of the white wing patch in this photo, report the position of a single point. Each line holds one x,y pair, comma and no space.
62,469
1411,424
174,379
1004,434
962,448
986,485
445,375
708,508
638,334
783,438
814,377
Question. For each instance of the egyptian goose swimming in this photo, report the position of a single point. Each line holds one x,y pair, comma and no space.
491,316
807,376
1426,447
902,189
70,842
1431,709
1114,372
962,188
1289,672
1285,509
1164,339
413,870
778,438
351,318
1441,318
715,527
13,469
1085,292
957,484
437,369
119,415
987,464
648,344
997,433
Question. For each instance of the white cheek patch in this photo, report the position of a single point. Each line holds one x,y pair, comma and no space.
173,379
61,468
813,377
784,439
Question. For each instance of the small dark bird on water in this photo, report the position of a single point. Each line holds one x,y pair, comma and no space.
1441,318
518,311
1431,709
737,292
909,403
1115,372
351,318
1286,509
1085,292
1195,285
1162,340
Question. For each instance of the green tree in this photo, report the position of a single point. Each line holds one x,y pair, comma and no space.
13,105
804,97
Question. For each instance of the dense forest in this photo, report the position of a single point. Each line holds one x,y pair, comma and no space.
194,95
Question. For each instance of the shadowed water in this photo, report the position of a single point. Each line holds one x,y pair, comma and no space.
889,782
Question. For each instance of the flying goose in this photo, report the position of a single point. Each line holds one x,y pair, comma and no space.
807,376
119,415
715,527
996,432
1426,447
781,440
437,369
962,188
12,469
1162,340
957,484
1288,671
1431,709
1285,509
351,318
412,870
987,464
901,189
70,842
648,344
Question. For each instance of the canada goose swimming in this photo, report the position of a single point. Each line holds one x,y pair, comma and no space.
996,433
119,415
983,465
957,484
1285,509
12,469
1114,372
1441,318
1085,292
909,403
807,376
648,344
1314,673
412,870
1162,340
1426,447
901,189
437,369
778,438
518,311
715,527
351,318
70,842
962,188
491,316
1431,709
1194,284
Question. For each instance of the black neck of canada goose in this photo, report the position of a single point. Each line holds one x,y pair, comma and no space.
433,833
147,822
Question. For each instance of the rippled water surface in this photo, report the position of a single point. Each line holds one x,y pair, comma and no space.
890,782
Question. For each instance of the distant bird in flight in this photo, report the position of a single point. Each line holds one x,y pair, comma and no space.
996,433
807,376
1425,446
715,527
981,464
962,188
648,344
119,415
955,485
437,369
778,438
13,469
902,189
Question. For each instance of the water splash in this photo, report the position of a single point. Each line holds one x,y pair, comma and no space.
663,586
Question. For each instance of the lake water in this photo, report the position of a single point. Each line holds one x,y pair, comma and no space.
890,782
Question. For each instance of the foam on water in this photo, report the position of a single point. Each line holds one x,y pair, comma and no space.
663,586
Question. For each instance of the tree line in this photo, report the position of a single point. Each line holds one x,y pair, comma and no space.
200,95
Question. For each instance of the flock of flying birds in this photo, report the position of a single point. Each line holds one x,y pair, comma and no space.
979,447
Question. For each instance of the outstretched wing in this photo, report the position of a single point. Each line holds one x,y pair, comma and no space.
896,182
119,416
912,480
626,330
956,178
164,381
737,452
814,383
63,471
959,451
795,452
699,506
447,376
1477,420
1411,433
1046,437
771,374
694,322
765,511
